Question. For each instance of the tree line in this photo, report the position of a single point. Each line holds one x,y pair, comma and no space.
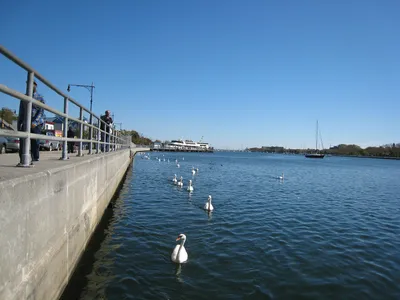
388,150
136,137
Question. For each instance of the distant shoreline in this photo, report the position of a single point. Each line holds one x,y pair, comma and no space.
367,156
339,155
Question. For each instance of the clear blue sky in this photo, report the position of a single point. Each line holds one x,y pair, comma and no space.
239,73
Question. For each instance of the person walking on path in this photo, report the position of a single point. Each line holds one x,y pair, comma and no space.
37,122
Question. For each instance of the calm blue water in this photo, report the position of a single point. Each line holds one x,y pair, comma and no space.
330,230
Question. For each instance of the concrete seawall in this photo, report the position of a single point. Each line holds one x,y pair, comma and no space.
47,217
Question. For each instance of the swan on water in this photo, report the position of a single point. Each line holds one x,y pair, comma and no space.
190,187
180,183
193,171
179,255
208,206
174,180
178,165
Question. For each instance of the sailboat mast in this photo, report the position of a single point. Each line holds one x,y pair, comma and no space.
316,138
316,154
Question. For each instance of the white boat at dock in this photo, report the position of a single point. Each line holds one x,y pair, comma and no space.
183,145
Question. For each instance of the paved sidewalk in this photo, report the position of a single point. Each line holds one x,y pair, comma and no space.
48,161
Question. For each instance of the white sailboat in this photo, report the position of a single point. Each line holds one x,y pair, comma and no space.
315,154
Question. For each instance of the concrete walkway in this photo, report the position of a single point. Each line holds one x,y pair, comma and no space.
48,161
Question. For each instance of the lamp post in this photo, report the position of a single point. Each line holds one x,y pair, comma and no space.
90,89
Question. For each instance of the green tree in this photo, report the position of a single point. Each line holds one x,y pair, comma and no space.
8,115
137,138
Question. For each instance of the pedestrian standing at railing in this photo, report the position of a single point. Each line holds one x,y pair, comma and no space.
37,122
70,134
107,128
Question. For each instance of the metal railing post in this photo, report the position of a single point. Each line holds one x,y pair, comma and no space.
26,156
80,132
119,140
108,140
116,141
113,139
98,136
64,155
91,133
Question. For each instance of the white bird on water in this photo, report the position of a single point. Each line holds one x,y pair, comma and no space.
208,206
190,187
178,165
174,180
193,171
180,183
179,255
281,177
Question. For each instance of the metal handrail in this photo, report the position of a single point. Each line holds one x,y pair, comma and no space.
28,68
6,90
114,140
35,136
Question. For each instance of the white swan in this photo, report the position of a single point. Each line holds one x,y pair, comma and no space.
178,165
208,206
193,171
190,187
180,183
174,180
179,255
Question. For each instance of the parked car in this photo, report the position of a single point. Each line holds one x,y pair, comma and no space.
12,144
49,144
3,145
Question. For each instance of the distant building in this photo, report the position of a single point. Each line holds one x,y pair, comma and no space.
49,125
58,123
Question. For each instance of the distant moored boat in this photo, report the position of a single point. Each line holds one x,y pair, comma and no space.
315,154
